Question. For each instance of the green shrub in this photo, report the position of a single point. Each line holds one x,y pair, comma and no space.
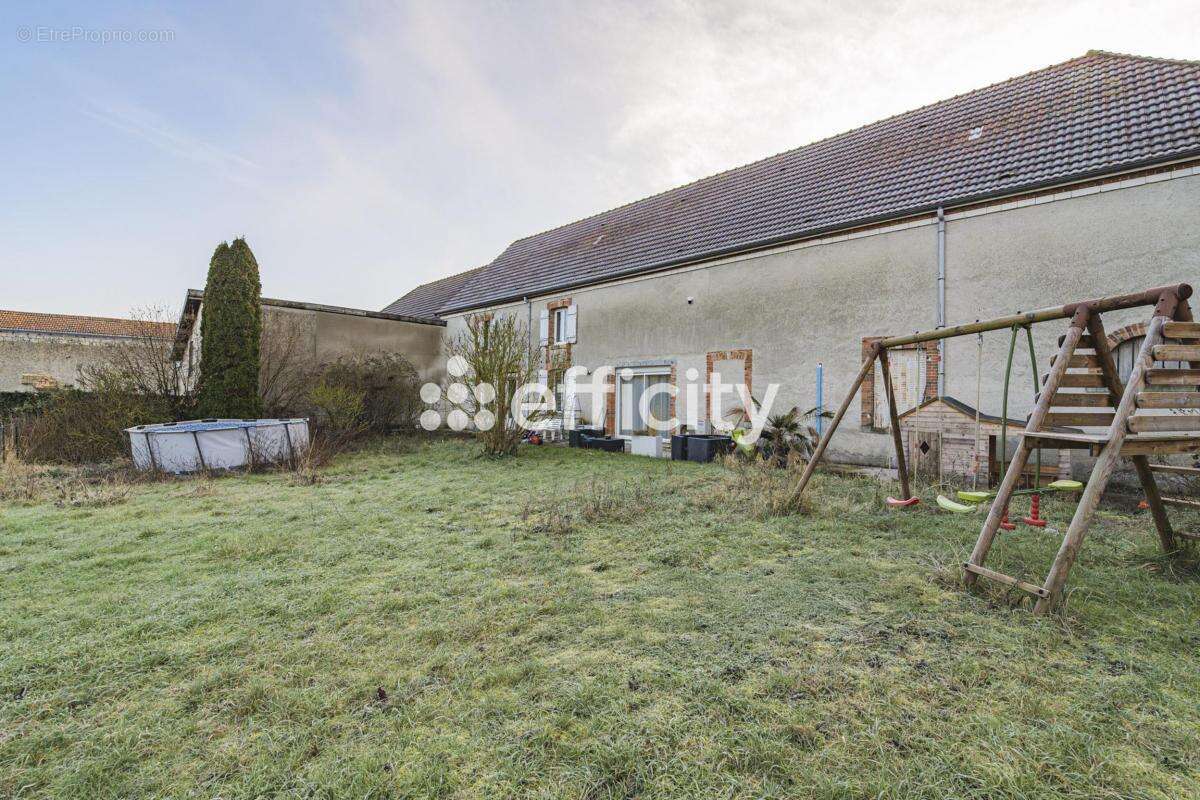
76,427
12,402
231,332
388,385
337,413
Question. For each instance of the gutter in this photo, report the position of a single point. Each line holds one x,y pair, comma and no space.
793,238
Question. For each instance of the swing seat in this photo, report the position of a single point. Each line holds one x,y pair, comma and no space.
894,503
1057,486
957,508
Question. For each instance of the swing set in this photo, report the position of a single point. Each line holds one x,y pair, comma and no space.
973,498
1154,413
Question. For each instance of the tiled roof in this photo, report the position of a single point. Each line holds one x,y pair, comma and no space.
426,300
1099,113
87,326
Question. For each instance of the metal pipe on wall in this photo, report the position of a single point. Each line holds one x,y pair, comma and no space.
941,298
529,320
820,398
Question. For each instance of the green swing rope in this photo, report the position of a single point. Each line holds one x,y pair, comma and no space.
1012,346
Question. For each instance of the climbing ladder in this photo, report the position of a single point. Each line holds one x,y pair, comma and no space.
1156,413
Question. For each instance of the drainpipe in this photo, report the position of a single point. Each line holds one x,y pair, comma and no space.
529,320
941,298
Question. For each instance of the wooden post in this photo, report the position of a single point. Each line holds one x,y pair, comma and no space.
1101,472
868,365
897,441
1116,390
1183,313
1021,456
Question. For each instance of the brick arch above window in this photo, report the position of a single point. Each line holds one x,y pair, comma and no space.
1125,334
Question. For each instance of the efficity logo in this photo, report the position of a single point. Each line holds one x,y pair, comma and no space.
458,397
464,404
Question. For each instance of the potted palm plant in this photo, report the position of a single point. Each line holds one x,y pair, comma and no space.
784,435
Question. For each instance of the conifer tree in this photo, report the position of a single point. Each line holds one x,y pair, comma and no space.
230,333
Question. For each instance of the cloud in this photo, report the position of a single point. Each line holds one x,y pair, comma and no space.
382,146
154,129
470,125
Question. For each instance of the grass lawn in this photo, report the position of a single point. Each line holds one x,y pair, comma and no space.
418,625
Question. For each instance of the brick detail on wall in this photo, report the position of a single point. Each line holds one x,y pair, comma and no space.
745,355
933,357
557,356
671,402
866,417
610,404
1125,334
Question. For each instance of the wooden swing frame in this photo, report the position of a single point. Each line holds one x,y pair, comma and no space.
1170,304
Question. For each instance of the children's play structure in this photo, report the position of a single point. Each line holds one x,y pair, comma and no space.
1154,413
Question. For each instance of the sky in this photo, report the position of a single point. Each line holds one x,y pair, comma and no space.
363,149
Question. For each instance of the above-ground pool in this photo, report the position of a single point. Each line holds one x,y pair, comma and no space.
216,443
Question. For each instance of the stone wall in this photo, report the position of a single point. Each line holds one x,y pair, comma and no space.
56,356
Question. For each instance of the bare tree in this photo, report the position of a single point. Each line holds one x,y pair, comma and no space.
498,358
143,365
286,370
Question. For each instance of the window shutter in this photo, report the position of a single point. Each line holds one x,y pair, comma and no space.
544,326
572,315
543,378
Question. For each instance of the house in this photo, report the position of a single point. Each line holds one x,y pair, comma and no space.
41,351
314,334
1078,180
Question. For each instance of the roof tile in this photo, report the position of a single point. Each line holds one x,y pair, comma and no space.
427,299
91,326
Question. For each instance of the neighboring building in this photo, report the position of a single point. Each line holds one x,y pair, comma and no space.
428,298
1074,181
47,351
320,334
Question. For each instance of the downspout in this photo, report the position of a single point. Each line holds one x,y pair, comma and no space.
529,320
941,299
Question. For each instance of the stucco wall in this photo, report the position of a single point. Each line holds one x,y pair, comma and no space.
324,336
795,307
60,356
328,336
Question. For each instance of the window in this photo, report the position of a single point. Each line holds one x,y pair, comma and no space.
1126,353
908,383
563,320
560,326
631,388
